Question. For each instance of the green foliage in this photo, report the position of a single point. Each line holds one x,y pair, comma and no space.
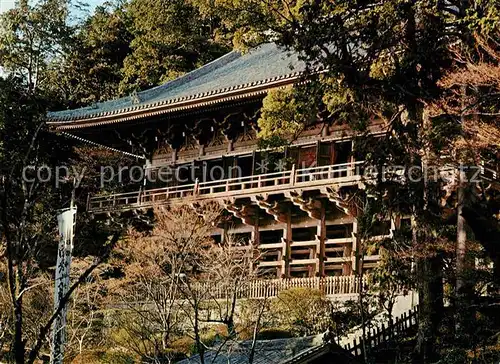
91,68
274,333
284,114
390,278
25,142
280,115
31,35
345,315
123,46
106,357
385,60
169,39
301,311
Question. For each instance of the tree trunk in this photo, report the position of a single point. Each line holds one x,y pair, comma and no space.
430,292
362,304
463,288
19,349
461,240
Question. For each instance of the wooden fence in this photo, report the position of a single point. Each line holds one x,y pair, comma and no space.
380,335
330,286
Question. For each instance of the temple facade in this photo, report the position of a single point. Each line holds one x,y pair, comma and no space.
196,139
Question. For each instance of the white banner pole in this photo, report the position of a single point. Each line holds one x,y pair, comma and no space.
66,221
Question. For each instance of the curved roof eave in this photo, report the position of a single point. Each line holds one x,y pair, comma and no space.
233,76
171,106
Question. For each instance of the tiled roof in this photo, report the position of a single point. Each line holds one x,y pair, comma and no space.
280,351
266,351
229,75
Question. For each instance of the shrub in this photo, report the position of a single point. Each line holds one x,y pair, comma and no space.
248,315
302,311
184,345
105,357
274,333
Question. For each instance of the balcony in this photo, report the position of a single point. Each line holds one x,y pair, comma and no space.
346,174
272,183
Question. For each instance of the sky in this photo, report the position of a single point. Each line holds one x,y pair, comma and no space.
7,4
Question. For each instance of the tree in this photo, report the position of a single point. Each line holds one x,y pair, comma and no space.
90,69
30,37
302,311
27,210
384,60
179,281
85,322
470,99
169,39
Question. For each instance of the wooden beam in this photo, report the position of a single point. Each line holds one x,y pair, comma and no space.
287,237
302,261
320,247
354,250
254,245
272,246
343,202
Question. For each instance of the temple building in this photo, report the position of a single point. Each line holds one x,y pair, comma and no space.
199,132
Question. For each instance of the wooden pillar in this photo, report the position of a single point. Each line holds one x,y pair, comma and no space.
317,153
352,160
355,247
255,235
254,243
461,248
320,247
287,239
324,131
347,266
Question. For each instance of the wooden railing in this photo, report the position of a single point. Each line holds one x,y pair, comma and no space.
305,178
385,334
330,286
241,186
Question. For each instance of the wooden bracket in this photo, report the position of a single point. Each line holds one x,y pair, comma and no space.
342,201
311,206
272,208
243,212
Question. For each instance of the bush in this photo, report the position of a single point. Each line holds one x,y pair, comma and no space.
302,311
247,317
274,333
184,345
105,357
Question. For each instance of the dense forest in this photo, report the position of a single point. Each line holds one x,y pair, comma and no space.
429,69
